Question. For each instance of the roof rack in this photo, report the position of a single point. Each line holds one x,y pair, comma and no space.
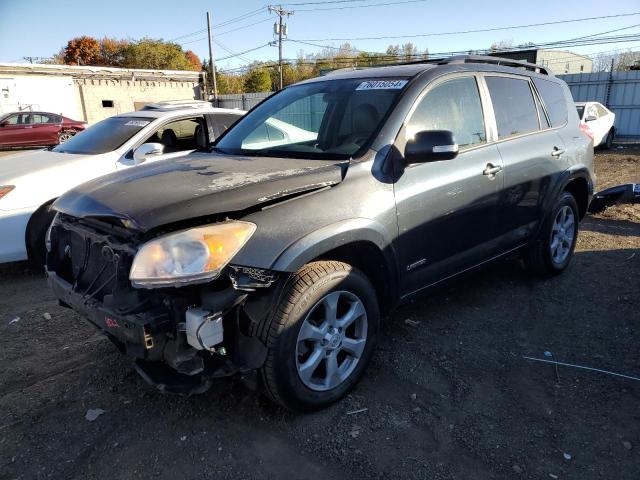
507,62
168,105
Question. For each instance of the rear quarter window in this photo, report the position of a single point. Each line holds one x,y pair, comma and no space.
513,105
554,99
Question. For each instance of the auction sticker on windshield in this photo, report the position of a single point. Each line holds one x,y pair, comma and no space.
137,123
382,85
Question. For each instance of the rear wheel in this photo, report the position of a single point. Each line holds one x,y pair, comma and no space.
553,250
64,136
321,336
609,141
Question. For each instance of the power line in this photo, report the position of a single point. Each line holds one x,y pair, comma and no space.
228,31
242,53
225,23
494,29
371,5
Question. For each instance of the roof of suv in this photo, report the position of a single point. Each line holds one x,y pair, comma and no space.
463,62
179,112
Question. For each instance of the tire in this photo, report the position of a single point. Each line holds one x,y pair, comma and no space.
609,141
64,136
552,251
296,371
35,237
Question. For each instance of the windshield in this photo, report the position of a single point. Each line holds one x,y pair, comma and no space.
580,109
104,136
334,119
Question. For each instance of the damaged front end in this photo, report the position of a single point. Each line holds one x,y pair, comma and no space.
181,335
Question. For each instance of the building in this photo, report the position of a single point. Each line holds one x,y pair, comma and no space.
560,62
91,93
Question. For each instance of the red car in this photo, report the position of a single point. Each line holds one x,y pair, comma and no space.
36,128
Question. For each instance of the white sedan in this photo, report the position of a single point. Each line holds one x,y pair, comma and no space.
600,120
30,181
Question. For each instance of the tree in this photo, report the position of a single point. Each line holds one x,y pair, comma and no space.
501,45
155,54
193,60
257,80
621,61
82,51
112,52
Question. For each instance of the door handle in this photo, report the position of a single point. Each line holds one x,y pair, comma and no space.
557,152
491,170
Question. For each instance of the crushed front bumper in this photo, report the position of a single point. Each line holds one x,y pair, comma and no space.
88,271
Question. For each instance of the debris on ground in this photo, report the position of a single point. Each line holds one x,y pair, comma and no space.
414,396
411,322
46,316
353,412
355,431
626,444
567,456
93,413
15,320
517,468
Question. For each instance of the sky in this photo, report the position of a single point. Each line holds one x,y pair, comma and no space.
38,28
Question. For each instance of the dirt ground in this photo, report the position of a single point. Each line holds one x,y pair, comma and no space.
447,396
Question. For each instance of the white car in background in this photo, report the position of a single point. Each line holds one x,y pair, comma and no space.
600,120
30,181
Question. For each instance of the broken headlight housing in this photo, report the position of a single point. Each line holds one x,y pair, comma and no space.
190,256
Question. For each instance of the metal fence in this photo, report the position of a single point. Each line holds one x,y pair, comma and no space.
243,101
618,91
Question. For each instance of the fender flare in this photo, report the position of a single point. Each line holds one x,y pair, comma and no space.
342,233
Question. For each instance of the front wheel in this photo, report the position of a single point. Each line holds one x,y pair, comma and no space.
552,251
321,336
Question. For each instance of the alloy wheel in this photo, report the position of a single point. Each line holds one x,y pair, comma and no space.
331,341
562,235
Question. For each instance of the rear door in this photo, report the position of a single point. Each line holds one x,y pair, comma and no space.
447,210
45,129
531,152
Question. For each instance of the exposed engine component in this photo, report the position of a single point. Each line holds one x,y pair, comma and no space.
204,329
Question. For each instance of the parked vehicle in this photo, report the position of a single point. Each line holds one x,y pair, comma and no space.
31,181
600,121
23,129
282,259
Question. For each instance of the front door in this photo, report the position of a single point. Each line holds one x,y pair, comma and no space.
447,210
16,130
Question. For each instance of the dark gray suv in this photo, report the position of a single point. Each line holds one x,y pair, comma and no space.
280,248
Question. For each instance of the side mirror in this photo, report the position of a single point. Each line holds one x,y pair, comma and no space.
431,146
590,118
147,150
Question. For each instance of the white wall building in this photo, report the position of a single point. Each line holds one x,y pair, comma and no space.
91,93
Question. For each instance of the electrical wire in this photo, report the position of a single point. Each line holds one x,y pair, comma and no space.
360,6
461,32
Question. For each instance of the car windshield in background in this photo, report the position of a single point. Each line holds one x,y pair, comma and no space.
580,109
333,119
104,136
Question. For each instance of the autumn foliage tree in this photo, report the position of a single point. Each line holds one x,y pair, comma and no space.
82,51
193,60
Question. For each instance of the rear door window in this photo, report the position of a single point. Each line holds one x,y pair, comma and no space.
554,99
513,105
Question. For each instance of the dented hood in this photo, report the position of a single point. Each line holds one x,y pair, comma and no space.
196,185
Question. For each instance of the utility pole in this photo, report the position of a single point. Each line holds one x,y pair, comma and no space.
212,61
280,29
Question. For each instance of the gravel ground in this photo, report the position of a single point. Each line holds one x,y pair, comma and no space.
447,396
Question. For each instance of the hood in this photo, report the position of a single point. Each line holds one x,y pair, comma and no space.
196,185
26,163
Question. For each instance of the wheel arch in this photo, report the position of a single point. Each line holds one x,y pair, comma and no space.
358,242
41,212
578,186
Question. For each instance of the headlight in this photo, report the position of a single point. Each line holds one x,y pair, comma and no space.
190,256
4,189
